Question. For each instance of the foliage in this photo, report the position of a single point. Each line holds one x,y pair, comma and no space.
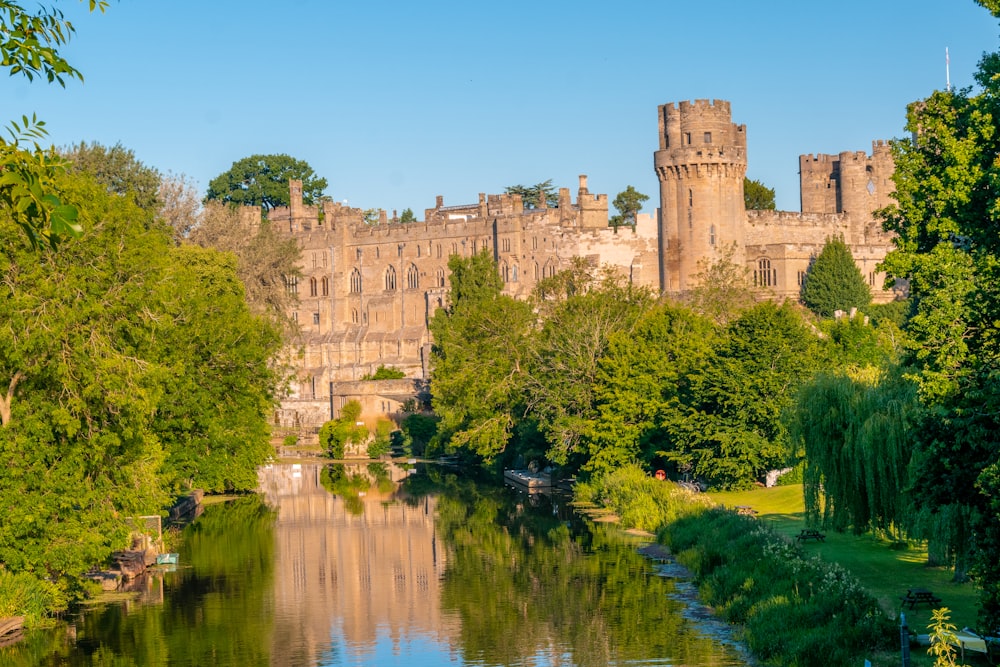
644,379
564,362
629,203
792,608
757,196
946,247
407,216
290,440
722,288
380,445
22,594
479,359
262,180
29,46
856,435
118,169
639,500
419,429
336,434
943,639
533,196
134,369
385,373
265,259
730,431
834,281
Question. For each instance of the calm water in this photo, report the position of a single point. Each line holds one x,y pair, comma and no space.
363,565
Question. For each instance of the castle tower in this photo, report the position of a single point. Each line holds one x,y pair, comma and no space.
700,165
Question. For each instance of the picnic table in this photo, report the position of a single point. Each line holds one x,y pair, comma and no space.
745,510
810,534
915,596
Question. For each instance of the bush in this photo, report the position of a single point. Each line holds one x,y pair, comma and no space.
792,608
23,594
385,373
290,440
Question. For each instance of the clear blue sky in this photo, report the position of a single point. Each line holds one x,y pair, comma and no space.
395,102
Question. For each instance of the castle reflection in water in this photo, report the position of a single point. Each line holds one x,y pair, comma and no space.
352,578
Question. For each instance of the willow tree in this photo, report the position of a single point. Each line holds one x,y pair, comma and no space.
856,435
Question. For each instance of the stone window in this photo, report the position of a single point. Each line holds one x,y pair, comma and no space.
765,275
439,250
513,274
711,235
708,137
292,285
315,264
800,278
412,277
295,316
354,315
439,274
355,281
505,272
690,197
323,255
359,253
312,284
325,284
687,138
390,278
315,318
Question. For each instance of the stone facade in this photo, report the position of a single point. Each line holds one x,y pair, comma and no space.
368,291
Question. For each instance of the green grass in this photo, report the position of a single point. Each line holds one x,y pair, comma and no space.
884,571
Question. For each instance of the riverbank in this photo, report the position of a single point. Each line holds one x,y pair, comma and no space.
792,601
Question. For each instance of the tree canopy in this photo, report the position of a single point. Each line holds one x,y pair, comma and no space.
533,195
757,196
29,46
834,281
262,180
629,203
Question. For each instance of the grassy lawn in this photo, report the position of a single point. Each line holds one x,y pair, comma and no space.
884,571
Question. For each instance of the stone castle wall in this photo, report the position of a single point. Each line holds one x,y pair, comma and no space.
368,292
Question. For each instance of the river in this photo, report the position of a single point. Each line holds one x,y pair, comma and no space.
381,565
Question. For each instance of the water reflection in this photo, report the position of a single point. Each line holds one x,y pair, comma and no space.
368,565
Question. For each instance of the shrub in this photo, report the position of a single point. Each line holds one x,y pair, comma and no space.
385,373
23,594
290,440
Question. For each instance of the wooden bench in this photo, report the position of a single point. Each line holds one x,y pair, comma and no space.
810,534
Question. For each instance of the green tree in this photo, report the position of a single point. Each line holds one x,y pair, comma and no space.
730,430
722,288
533,195
834,281
757,196
479,359
118,169
29,46
336,434
407,216
262,180
644,380
945,222
629,203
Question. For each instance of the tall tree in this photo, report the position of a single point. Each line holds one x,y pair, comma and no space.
262,180
479,364
945,223
533,195
757,196
118,169
722,288
834,281
629,203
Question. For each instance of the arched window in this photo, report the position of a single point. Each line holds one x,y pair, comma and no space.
292,285
312,286
765,275
390,278
325,285
513,274
439,275
355,281
354,315
412,277
505,272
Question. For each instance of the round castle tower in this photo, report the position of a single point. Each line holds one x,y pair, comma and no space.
701,165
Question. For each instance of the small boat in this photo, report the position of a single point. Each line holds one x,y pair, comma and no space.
532,481
166,559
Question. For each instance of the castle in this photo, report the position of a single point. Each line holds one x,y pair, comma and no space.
367,292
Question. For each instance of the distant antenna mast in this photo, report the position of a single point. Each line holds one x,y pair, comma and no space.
947,71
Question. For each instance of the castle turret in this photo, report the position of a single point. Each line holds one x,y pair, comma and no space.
701,165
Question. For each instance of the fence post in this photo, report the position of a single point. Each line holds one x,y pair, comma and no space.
904,640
